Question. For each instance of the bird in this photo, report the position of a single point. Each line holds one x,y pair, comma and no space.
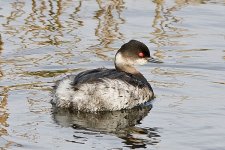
104,89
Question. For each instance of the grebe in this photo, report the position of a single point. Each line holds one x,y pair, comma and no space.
108,89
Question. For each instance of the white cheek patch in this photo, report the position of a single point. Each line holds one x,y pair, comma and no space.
120,60
141,61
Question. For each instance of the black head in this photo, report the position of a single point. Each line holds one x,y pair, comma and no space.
134,49
132,53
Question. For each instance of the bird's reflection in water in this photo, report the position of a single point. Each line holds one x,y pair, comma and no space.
120,123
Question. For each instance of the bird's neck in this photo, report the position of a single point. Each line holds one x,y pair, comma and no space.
122,64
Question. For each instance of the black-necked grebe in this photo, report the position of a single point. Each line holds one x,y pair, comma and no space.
108,89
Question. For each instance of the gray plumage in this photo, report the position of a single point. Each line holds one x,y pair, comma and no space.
107,89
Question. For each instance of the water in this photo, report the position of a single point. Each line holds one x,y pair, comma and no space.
42,41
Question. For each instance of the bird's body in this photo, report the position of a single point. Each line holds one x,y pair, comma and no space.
107,89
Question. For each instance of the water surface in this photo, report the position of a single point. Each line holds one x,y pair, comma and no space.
42,41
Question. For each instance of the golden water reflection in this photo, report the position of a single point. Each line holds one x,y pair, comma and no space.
3,102
3,111
166,32
42,25
1,48
1,43
4,115
109,19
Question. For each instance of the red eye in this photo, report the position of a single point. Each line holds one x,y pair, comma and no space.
141,54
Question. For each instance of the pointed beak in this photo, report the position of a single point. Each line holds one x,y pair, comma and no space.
153,60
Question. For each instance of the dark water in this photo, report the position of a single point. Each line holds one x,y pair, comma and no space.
41,41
